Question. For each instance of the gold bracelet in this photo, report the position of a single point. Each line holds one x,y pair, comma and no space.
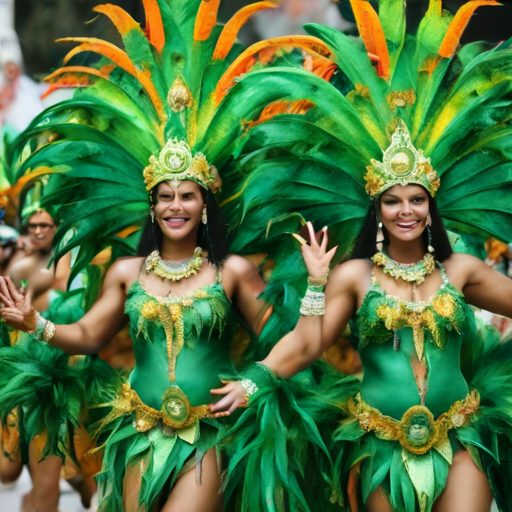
317,281
48,332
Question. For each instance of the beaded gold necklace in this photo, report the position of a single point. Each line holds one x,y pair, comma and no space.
411,273
174,270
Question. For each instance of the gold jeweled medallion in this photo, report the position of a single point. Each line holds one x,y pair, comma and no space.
418,431
175,407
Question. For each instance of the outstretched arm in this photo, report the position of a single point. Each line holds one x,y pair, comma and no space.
482,286
87,336
313,335
243,284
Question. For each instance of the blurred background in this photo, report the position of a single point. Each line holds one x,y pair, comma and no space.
39,22
29,28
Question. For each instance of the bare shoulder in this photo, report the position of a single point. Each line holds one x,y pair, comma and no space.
459,263
23,268
351,272
125,270
238,266
463,269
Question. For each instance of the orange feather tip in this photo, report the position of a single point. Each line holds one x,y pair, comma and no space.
230,32
323,68
458,25
206,19
298,107
123,22
154,24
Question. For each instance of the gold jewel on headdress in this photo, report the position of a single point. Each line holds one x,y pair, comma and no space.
179,97
176,163
402,165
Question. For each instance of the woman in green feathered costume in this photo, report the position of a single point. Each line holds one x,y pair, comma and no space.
159,119
407,119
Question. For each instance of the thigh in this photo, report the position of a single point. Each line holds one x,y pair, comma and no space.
188,496
9,470
467,488
378,501
45,479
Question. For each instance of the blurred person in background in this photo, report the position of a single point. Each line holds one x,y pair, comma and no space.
293,14
8,240
19,95
43,280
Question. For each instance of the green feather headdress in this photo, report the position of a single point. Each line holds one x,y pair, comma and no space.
455,103
172,81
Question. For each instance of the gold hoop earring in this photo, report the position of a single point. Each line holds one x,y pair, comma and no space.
205,216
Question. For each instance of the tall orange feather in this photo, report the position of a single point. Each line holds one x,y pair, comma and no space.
246,60
154,24
372,34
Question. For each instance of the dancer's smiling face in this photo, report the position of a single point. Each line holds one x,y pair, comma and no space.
404,211
178,209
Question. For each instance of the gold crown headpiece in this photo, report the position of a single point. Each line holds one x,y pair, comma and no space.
402,165
176,163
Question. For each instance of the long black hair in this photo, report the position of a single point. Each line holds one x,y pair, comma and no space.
212,236
366,243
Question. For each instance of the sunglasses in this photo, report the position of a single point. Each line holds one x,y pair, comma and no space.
43,226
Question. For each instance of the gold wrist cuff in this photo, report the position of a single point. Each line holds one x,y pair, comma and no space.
317,281
48,332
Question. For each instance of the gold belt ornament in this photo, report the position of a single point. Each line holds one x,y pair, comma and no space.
176,411
417,431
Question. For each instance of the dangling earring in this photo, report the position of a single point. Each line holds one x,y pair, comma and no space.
431,250
380,236
205,216
152,213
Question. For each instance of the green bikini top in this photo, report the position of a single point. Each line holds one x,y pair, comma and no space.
381,315
204,310
175,325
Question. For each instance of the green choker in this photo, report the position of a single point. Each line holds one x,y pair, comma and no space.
414,273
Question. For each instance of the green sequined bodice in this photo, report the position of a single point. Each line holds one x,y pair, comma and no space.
180,340
393,333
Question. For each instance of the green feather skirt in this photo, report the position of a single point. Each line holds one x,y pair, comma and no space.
413,482
50,391
140,468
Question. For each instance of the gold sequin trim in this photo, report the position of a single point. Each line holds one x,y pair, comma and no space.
417,431
176,411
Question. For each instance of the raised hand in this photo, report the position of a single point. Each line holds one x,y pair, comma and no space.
315,256
234,396
17,310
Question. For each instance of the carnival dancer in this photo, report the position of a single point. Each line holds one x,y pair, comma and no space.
39,279
431,426
160,120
